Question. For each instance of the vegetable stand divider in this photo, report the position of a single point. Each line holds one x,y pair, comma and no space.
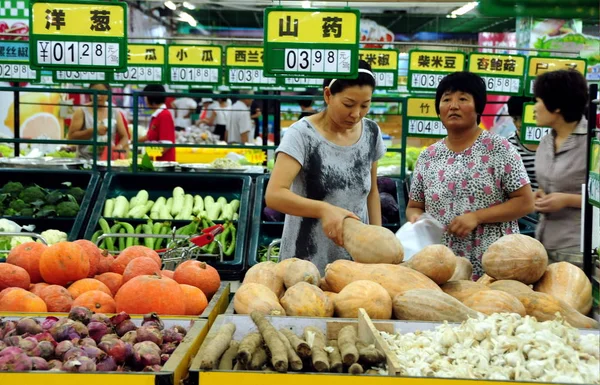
266,232
53,180
227,187
172,373
218,304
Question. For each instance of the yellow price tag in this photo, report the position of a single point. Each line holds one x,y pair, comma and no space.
146,54
540,65
255,156
81,19
196,55
312,26
380,59
529,114
433,61
244,56
481,63
421,108
154,152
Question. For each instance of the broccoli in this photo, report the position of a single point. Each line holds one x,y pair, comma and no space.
67,209
27,212
77,192
32,194
18,205
46,211
10,212
13,188
54,197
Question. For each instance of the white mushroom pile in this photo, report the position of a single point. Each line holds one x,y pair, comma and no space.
500,347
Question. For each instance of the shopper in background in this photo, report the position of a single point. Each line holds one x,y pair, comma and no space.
220,116
162,125
560,163
326,171
82,124
473,182
184,108
255,114
515,110
240,128
306,106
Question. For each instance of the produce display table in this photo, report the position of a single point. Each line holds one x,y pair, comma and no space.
218,304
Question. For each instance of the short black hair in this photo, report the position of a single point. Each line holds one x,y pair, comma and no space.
515,105
564,90
363,79
157,91
306,102
467,82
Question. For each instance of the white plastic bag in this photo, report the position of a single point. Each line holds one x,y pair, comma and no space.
415,236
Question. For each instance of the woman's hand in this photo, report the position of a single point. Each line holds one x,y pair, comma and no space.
463,225
102,129
332,220
551,203
539,194
412,218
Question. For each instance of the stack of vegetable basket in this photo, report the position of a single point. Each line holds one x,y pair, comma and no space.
156,204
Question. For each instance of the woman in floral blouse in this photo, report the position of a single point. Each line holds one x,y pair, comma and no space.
473,182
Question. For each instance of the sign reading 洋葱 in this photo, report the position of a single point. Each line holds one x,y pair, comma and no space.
194,64
14,62
530,132
539,65
312,43
245,67
384,63
78,35
422,120
502,74
145,65
427,68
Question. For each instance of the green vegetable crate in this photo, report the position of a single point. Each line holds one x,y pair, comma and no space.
220,186
63,181
265,231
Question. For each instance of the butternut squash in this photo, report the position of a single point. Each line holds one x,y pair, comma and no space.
305,300
430,305
437,262
544,307
301,271
463,270
567,282
486,280
265,273
495,301
256,297
371,244
512,287
461,290
516,257
368,295
395,279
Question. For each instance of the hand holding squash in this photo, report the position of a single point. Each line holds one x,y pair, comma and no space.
332,220
371,244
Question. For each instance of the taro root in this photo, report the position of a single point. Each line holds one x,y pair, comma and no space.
97,330
168,348
99,317
44,349
38,363
94,352
147,333
87,341
130,337
107,364
146,353
15,362
79,365
74,352
28,326
55,365
62,348
118,318
49,322
45,336
117,349
28,344
172,335
81,314
152,319
124,327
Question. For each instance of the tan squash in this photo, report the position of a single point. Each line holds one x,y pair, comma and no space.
265,273
510,286
256,297
437,262
371,244
368,295
301,271
395,279
305,300
517,257
323,284
463,270
331,295
495,301
567,282
430,305
282,266
462,290
486,280
544,307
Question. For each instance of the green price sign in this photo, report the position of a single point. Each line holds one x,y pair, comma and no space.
145,65
14,62
384,63
68,76
78,35
194,64
312,43
594,180
502,74
244,67
539,65
422,120
530,132
427,68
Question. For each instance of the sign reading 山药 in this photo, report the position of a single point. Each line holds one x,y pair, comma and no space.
427,68
502,74
530,132
194,64
314,43
245,67
384,64
145,65
14,62
539,65
78,35
422,119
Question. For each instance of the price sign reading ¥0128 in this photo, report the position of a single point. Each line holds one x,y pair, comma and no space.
422,120
194,64
540,65
594,179
78,35
145,65
313,43
14,62
245,67
384,63
530,132
502,74
427,68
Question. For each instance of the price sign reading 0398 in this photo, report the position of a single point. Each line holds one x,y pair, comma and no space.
422,120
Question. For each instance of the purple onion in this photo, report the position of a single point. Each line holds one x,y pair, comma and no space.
181,330
6,327
44,349
29,326
152,368
55,365
118,318
100,317
97,330
94,352
11,338
146,353
79,365
164,358
172,335
117,349
107,364
2,345
16,362
168,348
87,341
45,336
146,333
68,330
130,337
153,320
109,337
62,348
81,314
124,327
49,322
74,352
38,363
11,350
28,344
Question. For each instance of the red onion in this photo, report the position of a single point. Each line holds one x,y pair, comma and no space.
106,365
153,320
16,362
146,333
146,353
29,326
79,365
49,322
62,348
38,363
81,314
97,330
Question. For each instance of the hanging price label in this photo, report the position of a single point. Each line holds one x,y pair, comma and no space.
384,63
422,120
14,62
426,69
540,65
145,65
245,67
502,74
530,132
194,64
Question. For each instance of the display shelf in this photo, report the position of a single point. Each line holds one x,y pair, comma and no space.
53,179
172,373
218,304
157,185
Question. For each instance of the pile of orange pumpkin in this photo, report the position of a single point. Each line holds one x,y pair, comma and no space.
39,278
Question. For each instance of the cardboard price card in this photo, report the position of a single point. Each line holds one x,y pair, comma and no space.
422,119
384,63
502,74
194,64
530,132
427,68
539,65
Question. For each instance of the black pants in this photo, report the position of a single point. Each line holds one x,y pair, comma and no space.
220,130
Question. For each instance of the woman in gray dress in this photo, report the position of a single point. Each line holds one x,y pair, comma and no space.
326,170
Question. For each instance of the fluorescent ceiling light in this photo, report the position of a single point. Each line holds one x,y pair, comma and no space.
171,5
465,9
189,5
306,4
